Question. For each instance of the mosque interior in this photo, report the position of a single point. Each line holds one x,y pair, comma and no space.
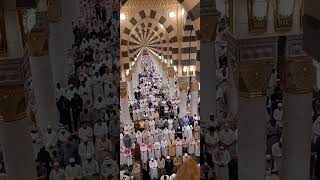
96,89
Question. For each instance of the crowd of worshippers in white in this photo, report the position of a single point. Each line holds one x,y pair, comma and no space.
158,148
91,99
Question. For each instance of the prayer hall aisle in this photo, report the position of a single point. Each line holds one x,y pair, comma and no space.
159,90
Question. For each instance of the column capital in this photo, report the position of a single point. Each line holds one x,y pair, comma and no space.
194,85
253,78
123,90
164,66
54,10
183,85
12,102
38,42
171,72
298,76
208,27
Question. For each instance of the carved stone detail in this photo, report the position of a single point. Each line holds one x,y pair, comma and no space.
12,101
253,78
142,3
38,42
171,72
54,10
194,85
298,76
183,86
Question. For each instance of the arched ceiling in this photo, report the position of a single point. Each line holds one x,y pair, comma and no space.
147,24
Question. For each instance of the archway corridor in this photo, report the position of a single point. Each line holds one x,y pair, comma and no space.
159,90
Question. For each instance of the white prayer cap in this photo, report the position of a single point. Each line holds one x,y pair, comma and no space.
71,160
168,157
279,104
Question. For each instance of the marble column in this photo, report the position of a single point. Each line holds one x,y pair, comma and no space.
130,85
171,74
208,82
297,123
183,97
252,125
42,80
16,143
194,97
124,104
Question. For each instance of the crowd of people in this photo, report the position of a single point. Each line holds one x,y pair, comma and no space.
155,142
85,145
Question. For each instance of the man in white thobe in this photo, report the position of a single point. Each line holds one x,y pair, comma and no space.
277,114
153,165
50,140
100,129
56,173
277,155
86,148
109,168
221,159
90,169
85,132
73,171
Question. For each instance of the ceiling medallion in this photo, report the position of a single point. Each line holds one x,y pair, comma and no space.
139,3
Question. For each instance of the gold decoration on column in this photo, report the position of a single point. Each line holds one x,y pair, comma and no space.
54,10
38,42
281,22
171,72
298,76
256,24
194,85
164,66
253,79
12,102
123,90
183,86
208,28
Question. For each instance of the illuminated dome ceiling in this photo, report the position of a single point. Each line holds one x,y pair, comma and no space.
170,28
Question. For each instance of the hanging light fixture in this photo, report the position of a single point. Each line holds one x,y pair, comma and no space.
122,17
172,14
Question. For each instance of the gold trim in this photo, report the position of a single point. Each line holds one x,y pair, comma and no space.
256,24
298,76
38,42
208,27
194,85
253,79
183,86
281,22
54,10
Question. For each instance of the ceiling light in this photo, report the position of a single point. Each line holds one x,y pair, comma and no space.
122,17
172,14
